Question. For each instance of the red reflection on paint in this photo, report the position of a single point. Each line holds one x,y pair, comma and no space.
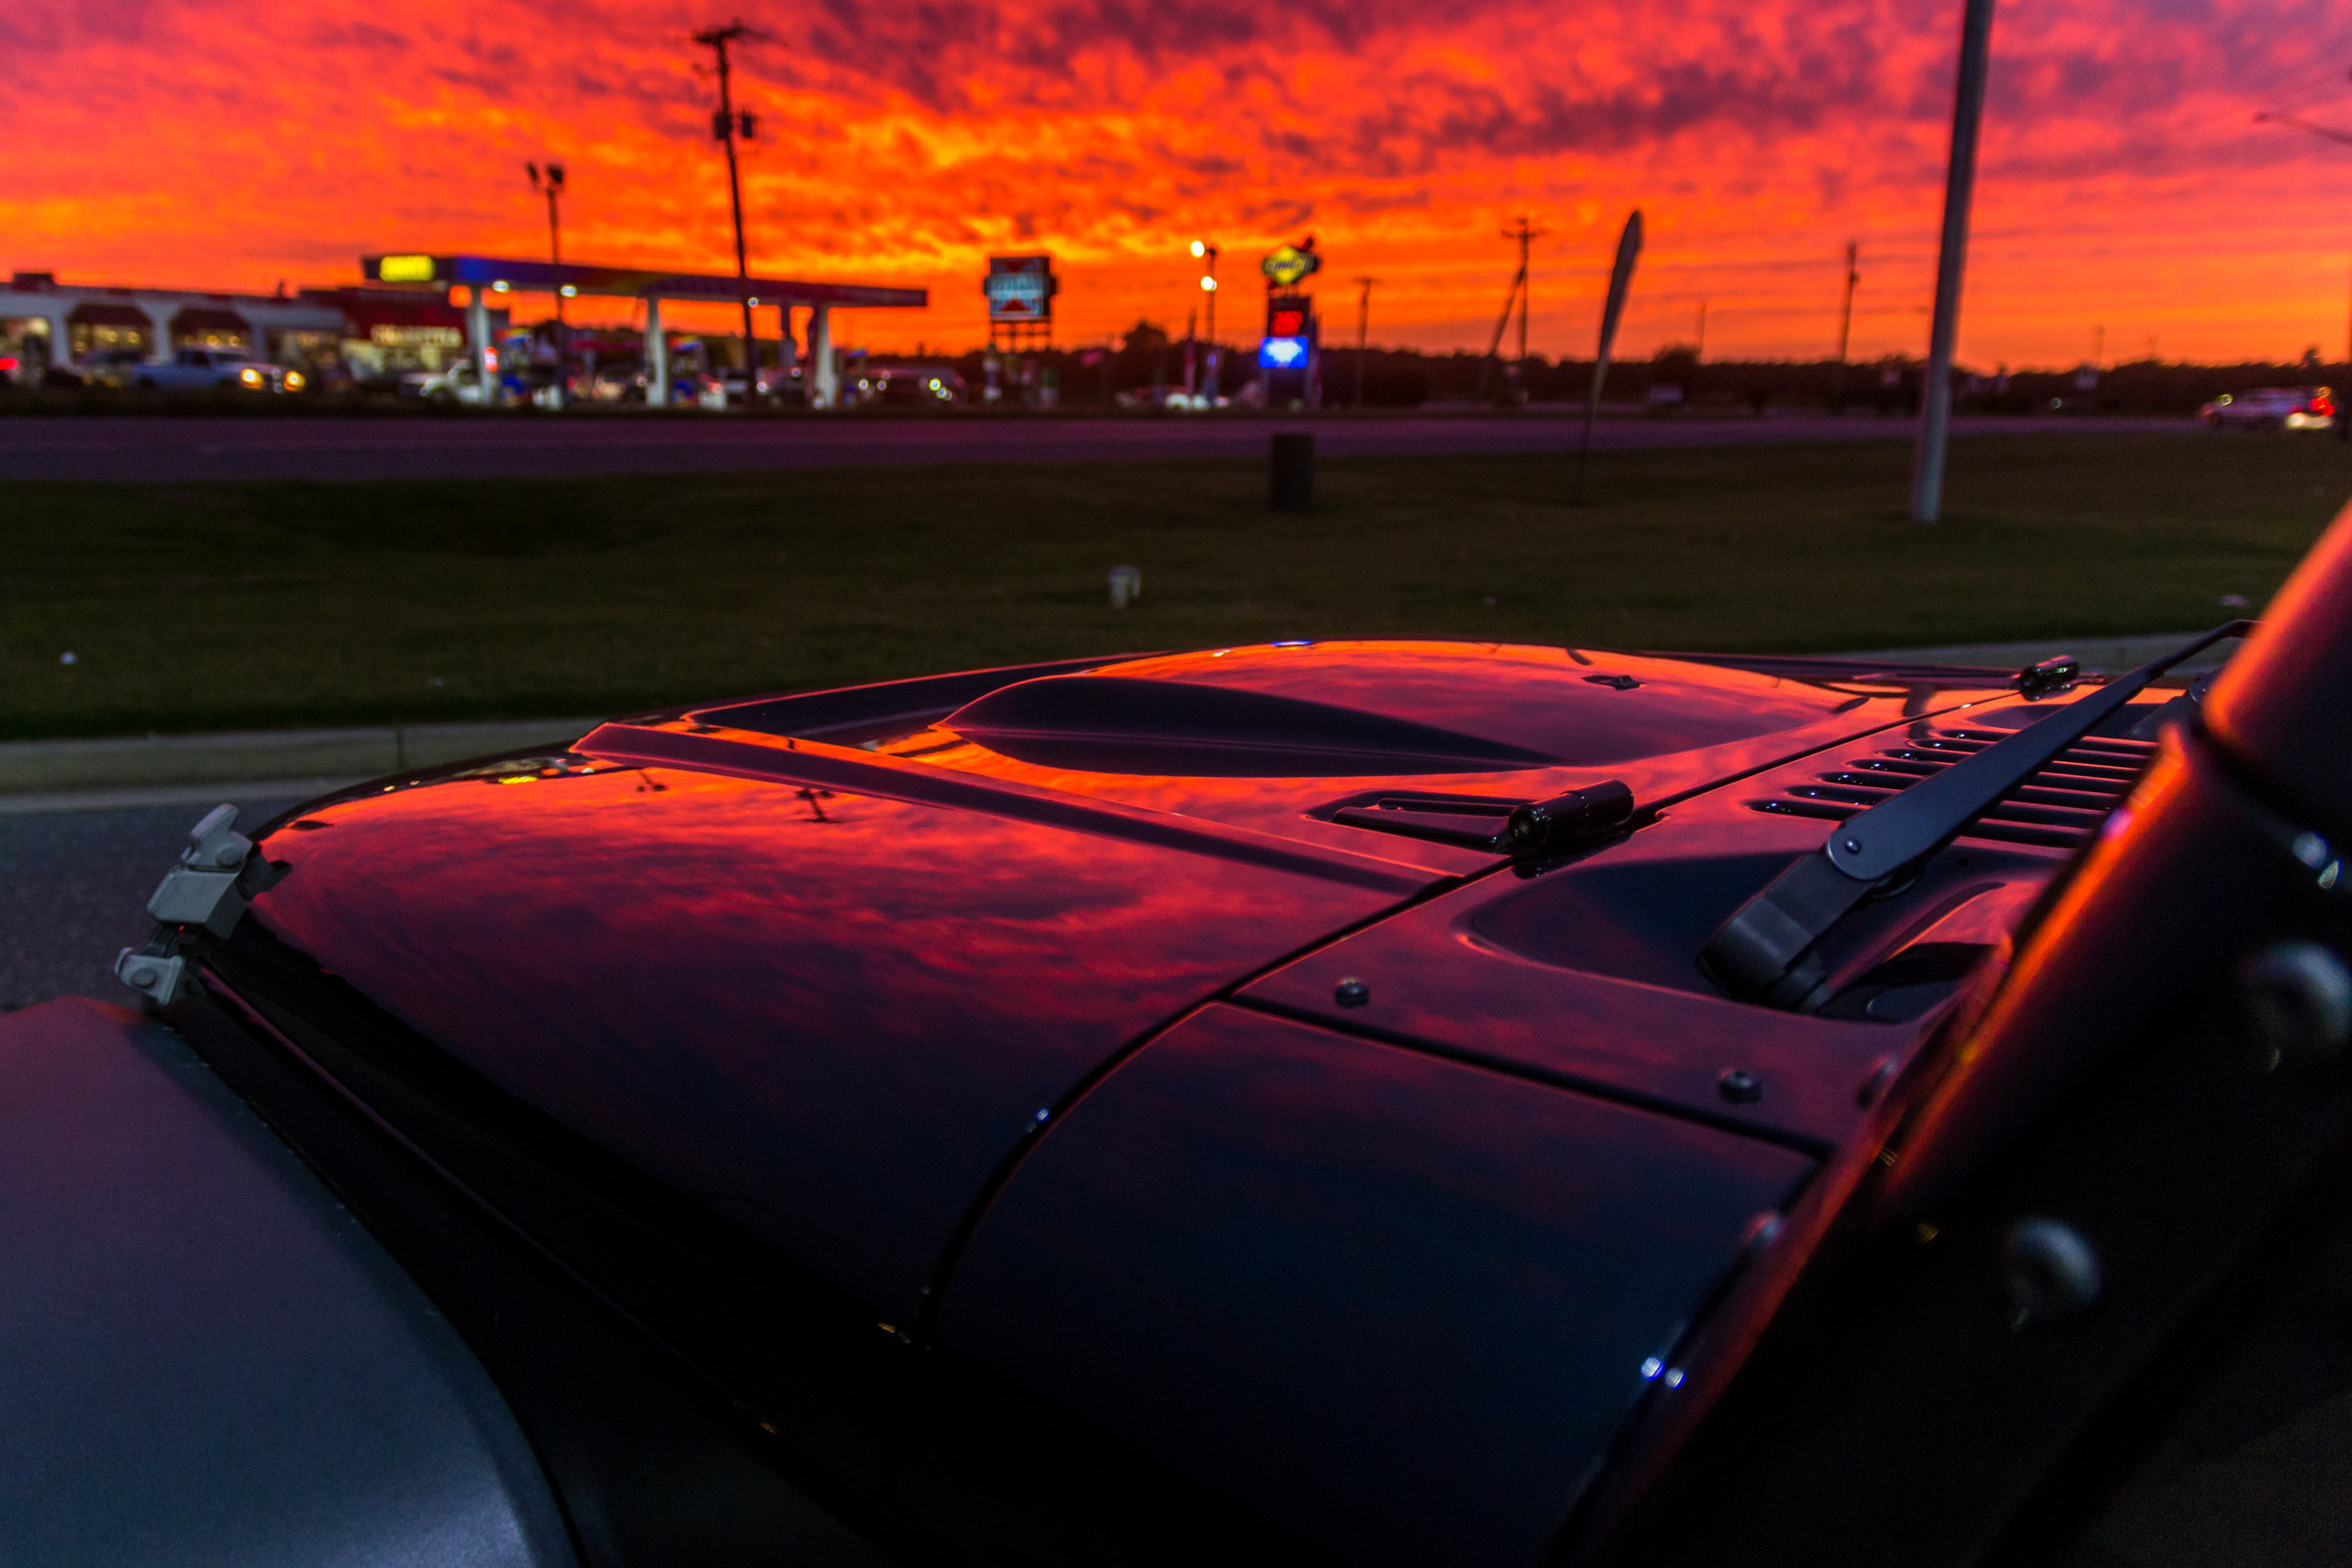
827,1015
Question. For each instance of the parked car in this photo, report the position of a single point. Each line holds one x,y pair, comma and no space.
119,367
458,383
1352,1102
2272,408
776,387
192,368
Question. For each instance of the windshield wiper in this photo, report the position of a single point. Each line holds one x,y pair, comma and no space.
1765,951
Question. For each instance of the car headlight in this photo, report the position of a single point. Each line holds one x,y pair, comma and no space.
293,381
250,376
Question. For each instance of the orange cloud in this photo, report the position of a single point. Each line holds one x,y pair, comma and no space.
230,143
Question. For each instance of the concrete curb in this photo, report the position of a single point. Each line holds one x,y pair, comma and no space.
155,763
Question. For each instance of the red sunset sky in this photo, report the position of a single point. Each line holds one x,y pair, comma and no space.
232,143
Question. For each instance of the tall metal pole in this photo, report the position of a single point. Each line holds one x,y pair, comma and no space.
1935,402
717,38
554,187
1845,326
1363,336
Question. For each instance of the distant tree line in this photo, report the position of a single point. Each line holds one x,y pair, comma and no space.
1675,379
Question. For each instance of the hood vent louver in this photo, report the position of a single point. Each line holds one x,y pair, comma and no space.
2059,808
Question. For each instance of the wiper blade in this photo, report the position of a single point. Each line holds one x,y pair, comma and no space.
1764,952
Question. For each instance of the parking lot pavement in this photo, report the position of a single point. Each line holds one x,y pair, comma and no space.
77,890
182,449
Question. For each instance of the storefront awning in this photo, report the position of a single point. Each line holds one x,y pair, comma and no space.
194,319
109,315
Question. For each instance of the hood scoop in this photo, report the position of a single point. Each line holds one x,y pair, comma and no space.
1119,724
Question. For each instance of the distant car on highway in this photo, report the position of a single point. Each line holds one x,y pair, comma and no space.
2272,408
192,367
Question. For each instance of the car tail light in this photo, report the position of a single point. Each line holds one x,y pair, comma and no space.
2322,403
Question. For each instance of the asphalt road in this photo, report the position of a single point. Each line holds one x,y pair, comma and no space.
180,448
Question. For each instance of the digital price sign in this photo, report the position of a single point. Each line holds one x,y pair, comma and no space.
1020,289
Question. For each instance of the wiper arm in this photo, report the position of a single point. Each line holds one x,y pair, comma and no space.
1764,952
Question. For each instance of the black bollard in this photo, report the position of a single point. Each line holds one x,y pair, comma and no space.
1292,471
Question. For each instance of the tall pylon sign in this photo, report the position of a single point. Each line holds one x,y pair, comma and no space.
1291,353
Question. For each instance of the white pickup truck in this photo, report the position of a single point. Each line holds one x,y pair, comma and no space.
453,384
217,367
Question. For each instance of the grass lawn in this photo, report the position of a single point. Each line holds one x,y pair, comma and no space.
196,607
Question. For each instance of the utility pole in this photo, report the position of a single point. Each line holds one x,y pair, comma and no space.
1525,235
2344,419
1960,181
1363,336
1845,326
1698,351
1494,344
553,185
725,126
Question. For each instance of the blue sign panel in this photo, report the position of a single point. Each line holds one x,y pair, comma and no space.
1281,354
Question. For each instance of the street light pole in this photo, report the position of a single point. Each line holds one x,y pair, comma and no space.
724,125
1959,180
1215,365
2344,416
554,185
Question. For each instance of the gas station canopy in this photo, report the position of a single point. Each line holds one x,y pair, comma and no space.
503,274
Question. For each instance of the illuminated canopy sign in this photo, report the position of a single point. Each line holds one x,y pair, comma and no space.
391,336
1019,288
1288,263
404,269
